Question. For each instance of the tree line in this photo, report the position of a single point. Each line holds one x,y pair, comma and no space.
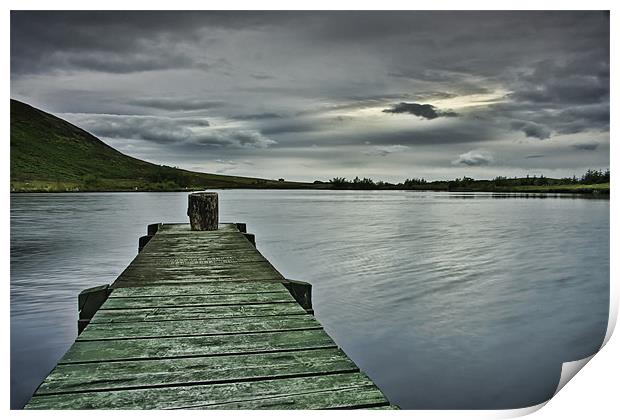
591,176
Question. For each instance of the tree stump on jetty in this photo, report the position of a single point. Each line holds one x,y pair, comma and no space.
203,211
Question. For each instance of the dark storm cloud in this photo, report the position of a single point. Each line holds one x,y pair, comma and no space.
190,131
114,41
420,110
593,145
112,62
567,95
157,129
235,138
260,116
262,76
386,150
542,121
110,49
145,128
465,132
531,129
263,84
582,118
457,133
567,90
583,79
193,122
176,104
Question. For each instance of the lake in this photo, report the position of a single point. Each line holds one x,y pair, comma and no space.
446,300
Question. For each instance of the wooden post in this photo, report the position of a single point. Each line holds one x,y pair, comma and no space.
302,292
203,211
142,241
152,229
250,237
89,302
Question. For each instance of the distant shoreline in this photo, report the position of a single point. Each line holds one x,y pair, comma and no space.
594,189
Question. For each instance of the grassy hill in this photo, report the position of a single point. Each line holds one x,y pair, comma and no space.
50,154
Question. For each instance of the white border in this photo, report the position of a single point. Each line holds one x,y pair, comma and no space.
593,394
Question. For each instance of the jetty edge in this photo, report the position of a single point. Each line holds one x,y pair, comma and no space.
200,319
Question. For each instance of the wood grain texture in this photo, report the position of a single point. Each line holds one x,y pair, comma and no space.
118,331
168,347
201,320
220,288
198,312
203,211
202,396
196,370
201,300
344,399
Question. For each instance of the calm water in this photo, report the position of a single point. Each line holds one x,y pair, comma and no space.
445,300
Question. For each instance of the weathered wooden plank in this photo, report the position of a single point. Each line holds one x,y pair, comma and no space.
180,276
199,257
198,236
235,243
223,269
342,399
238,253
220,288
202,300
168,228
199,395
181,280
173,247
198,312
196,261
199,370
126,330
131,282
201,240
159,348
253,270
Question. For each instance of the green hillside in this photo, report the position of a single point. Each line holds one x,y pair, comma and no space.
50,154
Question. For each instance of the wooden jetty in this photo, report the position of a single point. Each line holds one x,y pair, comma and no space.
201,320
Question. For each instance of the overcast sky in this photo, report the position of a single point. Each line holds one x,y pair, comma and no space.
313,95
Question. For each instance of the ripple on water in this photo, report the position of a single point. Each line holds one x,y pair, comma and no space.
427,292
